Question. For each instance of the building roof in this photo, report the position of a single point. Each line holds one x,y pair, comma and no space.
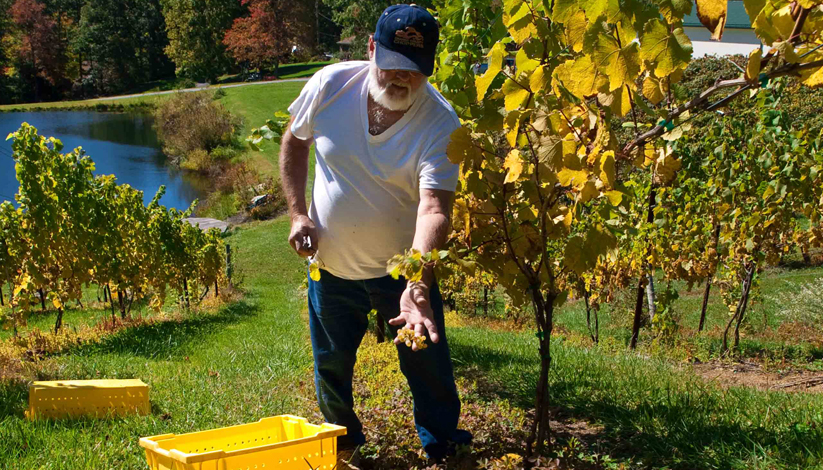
346,41
736,18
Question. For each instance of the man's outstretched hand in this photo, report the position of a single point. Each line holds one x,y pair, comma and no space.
303,237
416,313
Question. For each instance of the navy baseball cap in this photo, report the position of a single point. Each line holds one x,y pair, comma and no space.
406,39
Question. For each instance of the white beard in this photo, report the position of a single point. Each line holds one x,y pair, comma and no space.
393,103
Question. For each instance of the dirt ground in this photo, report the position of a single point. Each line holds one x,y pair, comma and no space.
752,374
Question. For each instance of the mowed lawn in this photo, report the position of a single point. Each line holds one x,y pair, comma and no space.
253,359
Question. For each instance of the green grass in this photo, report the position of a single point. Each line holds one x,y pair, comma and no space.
256,104
251,359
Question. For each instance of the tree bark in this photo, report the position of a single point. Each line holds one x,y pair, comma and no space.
638,306
544,310
741,306
186,292
638,315
121,303
59,322
650,294
709,280
589,316
705,307
742,314
111,302
485,300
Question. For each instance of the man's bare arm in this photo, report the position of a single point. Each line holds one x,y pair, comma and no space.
294,171
433,222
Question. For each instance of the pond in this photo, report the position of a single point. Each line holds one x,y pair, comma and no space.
121,144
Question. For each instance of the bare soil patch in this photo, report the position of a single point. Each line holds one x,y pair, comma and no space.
752,374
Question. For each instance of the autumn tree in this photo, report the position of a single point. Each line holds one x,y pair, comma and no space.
265,36
41,49
196,29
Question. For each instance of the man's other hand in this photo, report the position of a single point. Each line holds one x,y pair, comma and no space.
303,237
416,312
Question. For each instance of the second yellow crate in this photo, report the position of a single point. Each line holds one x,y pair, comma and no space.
283,442
98,398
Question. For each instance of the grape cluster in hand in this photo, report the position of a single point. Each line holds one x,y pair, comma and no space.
408,336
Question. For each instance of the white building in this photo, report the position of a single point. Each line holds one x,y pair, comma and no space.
738,38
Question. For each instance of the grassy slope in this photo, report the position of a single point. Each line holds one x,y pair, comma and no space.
299,70
248,362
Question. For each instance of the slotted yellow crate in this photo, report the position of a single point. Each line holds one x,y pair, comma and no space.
99,398
283,442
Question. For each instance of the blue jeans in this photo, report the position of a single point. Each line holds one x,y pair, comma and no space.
338,319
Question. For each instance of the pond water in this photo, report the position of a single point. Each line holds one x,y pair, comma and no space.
121,144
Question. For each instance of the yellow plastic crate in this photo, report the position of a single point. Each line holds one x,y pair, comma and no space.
283,442
99,398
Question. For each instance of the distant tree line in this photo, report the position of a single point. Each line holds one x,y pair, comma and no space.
61,49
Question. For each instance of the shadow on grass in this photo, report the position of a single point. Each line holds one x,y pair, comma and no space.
165,339
673,425
14,396
169,338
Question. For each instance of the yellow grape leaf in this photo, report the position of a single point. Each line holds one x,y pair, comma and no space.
615,197
551,150
460,146
674,10
753,67
607,168
516,95
588,192
520,24
57,303
483,82
665,51
539,79
786,50
514,127
619,101
573,178
576,27
760,17
621,65
812,77
783,22
667,166
576,255
596,8
524,63
513,166
580,77
652,89
712,13
564,10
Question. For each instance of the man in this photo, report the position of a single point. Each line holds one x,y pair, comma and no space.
382,184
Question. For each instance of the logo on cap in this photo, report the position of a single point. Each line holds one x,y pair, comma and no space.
409,37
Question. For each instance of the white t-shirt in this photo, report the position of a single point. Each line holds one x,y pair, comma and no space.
367,188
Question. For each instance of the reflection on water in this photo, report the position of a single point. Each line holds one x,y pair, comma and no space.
124,145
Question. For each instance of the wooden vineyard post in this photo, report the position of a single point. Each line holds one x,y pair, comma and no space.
216,289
